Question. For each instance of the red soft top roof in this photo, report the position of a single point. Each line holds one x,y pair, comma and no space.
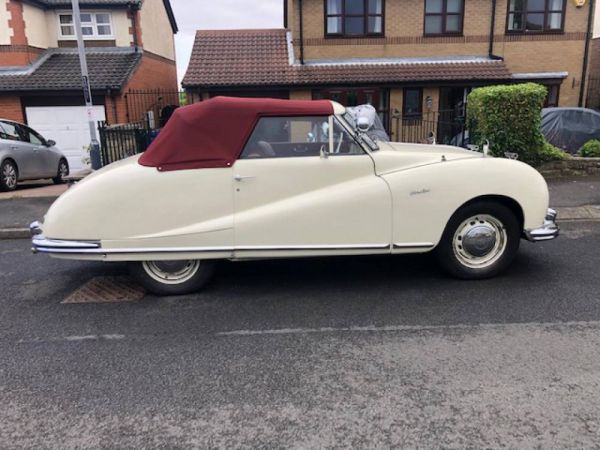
213,133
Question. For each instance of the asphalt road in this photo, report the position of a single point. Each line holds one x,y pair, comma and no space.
362,352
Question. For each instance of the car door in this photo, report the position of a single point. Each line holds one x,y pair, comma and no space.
301,190
19,150
46,161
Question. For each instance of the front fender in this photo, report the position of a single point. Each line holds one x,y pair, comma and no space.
424,198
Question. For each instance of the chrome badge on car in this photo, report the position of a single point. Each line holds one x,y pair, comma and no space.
420,191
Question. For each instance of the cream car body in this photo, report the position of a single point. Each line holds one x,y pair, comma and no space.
397,199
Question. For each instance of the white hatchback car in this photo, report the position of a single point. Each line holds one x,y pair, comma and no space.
26,155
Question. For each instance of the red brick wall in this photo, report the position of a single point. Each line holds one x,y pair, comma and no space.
138,28
16,23
18,53
154,72
10,108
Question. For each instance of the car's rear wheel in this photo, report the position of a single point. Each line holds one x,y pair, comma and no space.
480,241
172,277
62,173
8,176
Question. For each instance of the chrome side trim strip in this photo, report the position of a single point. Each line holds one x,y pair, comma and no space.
43,245
414,245
312,247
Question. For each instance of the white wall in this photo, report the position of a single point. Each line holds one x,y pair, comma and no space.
121,25
36,26
5,32
157,35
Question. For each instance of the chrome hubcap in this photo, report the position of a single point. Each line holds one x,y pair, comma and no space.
171,272
9,175
479,241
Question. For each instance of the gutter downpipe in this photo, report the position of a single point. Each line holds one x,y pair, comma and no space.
492,31
301,33
586,52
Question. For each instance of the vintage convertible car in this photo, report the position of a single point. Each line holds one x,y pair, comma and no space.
242,179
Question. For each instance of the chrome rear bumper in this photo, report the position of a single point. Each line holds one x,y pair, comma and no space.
549,230
39,244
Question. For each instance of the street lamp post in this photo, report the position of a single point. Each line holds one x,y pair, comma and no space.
87,91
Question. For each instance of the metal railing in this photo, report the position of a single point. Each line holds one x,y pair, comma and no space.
443,127
152,107
122,141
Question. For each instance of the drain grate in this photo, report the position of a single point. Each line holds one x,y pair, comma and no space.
116,289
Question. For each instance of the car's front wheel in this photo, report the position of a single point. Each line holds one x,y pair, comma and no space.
480,241
8,176
172,277
62,173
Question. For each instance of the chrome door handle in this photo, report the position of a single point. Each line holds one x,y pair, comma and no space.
241,177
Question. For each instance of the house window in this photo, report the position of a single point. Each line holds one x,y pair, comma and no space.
551,99
412,103
93,25
354,17
443,17
535,16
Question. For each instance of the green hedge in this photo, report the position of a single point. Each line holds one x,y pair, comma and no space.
591,149
509,117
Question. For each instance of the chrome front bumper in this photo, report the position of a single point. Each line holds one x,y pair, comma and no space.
549,230
39,244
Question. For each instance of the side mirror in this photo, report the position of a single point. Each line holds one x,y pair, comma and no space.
50,143
363,124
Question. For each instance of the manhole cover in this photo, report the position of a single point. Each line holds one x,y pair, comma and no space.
107,290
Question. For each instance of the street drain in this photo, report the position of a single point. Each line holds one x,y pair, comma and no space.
116,289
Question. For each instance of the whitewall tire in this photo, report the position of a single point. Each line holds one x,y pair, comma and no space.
172,277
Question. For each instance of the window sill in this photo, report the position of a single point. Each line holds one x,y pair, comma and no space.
87,38
425,35
358,36
526,33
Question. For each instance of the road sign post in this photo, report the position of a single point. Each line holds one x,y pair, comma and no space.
87,91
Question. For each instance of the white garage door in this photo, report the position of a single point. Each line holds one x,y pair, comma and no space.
68,126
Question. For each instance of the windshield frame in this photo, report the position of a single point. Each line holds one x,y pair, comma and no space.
365,141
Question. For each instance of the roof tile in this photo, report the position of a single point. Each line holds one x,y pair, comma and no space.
238,58
61,71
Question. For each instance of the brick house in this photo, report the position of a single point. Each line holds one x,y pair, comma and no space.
129,45
417,59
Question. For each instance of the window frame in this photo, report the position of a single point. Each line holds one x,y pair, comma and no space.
30,131
342,15
444,14
331,119
94,36
413,116
17,129
546,13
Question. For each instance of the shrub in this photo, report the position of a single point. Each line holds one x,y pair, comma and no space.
509,117
591,149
